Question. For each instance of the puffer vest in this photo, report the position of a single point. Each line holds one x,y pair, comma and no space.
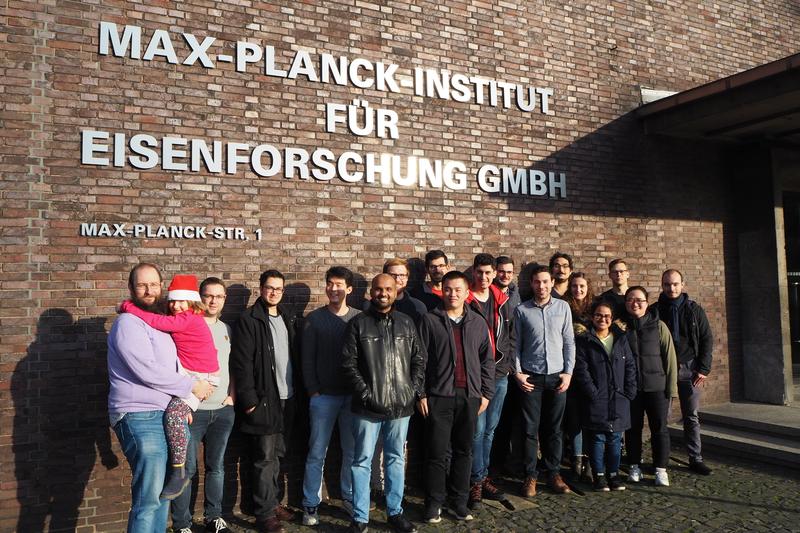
646,344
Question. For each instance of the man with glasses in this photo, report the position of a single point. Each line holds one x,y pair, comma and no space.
143,377
505,282
211,423
560,269
262,367
430,292
405,303
615,296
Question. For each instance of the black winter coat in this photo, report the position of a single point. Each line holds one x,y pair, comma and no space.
252,368
608,383
382,360
436,333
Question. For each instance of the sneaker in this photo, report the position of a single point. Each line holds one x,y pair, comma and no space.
490,491
270,525
615,482
401,524
634,474
529,487
662,479
184,530
459,513
699,467
310,516
433,514
475,495
216,525
600,484
357,527
284,514
557,484
347,507
177,483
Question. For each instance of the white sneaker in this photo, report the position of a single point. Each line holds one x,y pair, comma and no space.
662,479
218,524
185,530
634,474
310,516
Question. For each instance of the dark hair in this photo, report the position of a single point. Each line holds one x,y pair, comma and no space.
132,274
341,273
579,308
433,255
210,281
560,255
538,270
615,262
637,288
672,271
502,260
455,274
601,303
483,260
271,273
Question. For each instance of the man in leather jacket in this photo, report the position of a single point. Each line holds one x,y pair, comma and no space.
383,362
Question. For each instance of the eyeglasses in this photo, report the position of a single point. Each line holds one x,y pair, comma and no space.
639,301
276,290
600,316
399,276
213,297
141,287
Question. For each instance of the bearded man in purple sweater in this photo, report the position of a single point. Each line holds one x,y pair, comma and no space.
143,373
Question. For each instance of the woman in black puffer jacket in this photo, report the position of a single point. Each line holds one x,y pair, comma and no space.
605,372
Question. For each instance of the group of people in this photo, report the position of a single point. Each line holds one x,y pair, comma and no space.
582,367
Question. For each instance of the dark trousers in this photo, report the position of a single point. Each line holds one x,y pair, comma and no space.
266,466
450,424
690,396
544,407
656,406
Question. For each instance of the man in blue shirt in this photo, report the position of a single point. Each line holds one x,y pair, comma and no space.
543,362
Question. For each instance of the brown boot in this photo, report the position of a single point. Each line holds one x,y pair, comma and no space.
270,525
557,484
284,514
529,487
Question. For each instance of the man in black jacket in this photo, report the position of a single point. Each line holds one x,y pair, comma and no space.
383,362
694,342
262,361
459,383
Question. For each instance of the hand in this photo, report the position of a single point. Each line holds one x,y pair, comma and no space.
202,389
189,419
248,411
698,379
228,400
484,405
522,382
315,395
564,385
422,407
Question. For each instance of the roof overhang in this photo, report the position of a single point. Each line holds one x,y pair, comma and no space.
758,105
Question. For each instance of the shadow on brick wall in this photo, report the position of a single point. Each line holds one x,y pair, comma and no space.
60,392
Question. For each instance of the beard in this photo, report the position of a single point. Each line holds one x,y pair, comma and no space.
158,307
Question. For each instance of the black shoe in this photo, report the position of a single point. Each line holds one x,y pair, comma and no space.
459,513
178,481
217,525
401,524
699,467
600,484
433,514
615,483
357,527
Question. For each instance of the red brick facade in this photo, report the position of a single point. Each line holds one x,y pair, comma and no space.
657,202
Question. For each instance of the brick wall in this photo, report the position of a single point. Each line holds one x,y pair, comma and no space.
658,202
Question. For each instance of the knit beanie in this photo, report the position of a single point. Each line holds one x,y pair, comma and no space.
184,287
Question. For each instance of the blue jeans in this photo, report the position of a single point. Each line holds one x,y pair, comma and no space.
604,451
365,435
214,426
484,432
324,411
141,436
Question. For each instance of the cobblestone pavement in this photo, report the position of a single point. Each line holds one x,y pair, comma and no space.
737,497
